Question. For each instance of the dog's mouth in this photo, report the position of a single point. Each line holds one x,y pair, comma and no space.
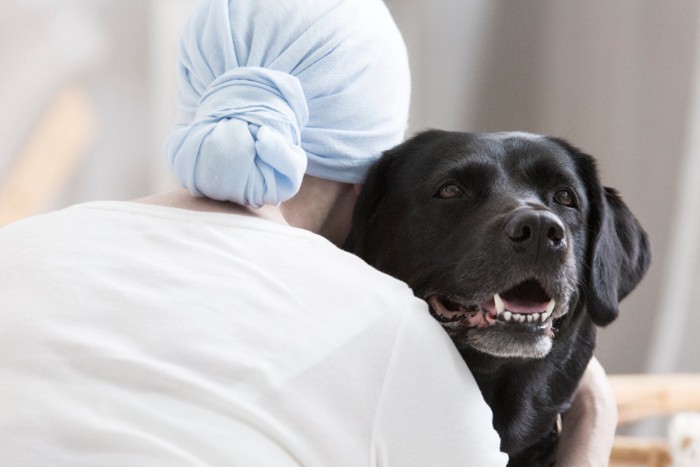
527,304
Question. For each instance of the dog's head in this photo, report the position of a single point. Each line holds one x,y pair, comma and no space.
504,235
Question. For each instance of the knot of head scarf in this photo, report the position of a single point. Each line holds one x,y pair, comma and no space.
272,89
252,117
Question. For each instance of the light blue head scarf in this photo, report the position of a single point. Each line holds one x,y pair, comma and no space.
272,89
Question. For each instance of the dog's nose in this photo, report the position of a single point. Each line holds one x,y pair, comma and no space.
535,231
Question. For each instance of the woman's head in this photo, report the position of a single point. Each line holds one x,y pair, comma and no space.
273,89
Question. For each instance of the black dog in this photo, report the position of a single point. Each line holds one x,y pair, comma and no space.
518,250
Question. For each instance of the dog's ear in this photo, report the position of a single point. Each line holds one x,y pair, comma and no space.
372,224
365,225
369,205
618,253
619,256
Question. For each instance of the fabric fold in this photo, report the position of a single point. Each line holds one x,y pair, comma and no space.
243,143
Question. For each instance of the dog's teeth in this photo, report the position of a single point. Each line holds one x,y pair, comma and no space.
550,306
519,318
507,315
500,307
530,318
535,317
545,316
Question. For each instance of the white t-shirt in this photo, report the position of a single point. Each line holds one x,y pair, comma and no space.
140,335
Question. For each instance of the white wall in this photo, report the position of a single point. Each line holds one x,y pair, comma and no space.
123,54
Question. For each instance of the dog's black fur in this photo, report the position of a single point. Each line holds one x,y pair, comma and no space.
462,216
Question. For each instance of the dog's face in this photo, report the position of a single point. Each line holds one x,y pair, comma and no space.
502,234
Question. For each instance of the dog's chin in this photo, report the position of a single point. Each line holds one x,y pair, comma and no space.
506,339
497,342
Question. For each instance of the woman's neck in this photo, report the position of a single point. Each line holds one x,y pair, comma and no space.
321,206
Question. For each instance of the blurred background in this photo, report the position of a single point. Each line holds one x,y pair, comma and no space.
87,98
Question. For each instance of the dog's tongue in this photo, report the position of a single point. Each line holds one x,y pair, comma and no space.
516,305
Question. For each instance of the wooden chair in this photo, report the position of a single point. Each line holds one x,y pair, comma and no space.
53,151
642,396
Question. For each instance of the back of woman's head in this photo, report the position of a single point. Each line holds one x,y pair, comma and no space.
272,89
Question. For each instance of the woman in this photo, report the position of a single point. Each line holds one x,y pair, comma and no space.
222,326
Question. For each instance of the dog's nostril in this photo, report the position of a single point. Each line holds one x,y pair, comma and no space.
521,227
554,230
521,234
555,233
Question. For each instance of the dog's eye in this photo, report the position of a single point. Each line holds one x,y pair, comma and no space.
566,197
449,190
